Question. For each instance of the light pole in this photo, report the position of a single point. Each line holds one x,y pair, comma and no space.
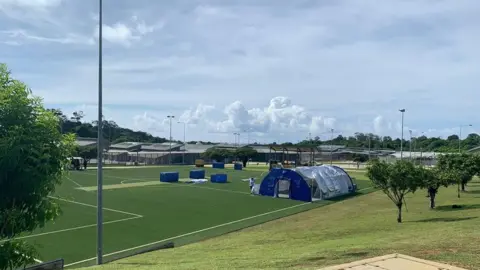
184,143
235,141
170,117
369,145
401,140
460,136
248,135
100,141
331,147
410,131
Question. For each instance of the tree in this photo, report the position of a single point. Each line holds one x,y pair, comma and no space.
244,153
432,180
218,154
395,180
460,167
33,156
87,152
77,116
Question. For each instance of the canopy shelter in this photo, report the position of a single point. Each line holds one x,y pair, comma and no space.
292,155
307,183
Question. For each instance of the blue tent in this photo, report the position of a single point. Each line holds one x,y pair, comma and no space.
307,183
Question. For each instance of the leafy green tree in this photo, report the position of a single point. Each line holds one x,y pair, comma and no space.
360,158
33,156
432,180
460,167
245,153
87,152
218,154
395,180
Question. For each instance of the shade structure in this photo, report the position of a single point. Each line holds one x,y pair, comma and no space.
307,183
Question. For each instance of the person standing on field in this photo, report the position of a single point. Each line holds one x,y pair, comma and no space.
251,183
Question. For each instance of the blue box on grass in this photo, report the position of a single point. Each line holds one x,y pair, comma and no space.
218,178
197,174
169,177
218,165
238,166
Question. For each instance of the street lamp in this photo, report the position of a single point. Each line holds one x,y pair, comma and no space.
410,131
460,136
248,135
331,147
100,141
184,143
170,117
401,141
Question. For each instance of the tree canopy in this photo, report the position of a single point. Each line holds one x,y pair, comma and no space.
461,168
396,180
33,156
420,143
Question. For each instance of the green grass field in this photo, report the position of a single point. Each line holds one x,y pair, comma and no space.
137,217
349,230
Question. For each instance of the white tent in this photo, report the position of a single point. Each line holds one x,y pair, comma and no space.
326,181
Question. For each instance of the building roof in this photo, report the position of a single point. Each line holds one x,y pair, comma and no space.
126,145
293,149
81,141
159,146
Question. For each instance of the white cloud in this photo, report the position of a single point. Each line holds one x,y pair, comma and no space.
347,65
30,3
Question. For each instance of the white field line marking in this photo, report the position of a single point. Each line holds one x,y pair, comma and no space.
219,189
190,233
94,206
71,180
138,180
124,178
76,228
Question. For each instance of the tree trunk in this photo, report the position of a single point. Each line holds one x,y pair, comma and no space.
399,218
432,192
463,186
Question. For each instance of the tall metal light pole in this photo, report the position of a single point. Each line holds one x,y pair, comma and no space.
248,135
410,131
401,140
170,117
184,143
100,142
331,147
460,136
369,145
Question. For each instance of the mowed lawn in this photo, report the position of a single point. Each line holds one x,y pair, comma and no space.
348,230
136,217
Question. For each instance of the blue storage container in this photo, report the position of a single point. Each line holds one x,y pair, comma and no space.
218,165
197,174
169,177
218,178
238,166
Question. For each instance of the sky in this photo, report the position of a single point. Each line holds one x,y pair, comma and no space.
271,70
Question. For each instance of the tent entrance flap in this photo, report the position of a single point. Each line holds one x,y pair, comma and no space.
283,188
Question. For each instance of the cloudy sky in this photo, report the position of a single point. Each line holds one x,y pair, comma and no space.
279,68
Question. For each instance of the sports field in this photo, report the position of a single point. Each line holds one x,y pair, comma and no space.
140,212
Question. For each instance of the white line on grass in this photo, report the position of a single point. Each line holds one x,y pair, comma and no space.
70,179
124,178
190,233
94,206
123,182
218,189
76,228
